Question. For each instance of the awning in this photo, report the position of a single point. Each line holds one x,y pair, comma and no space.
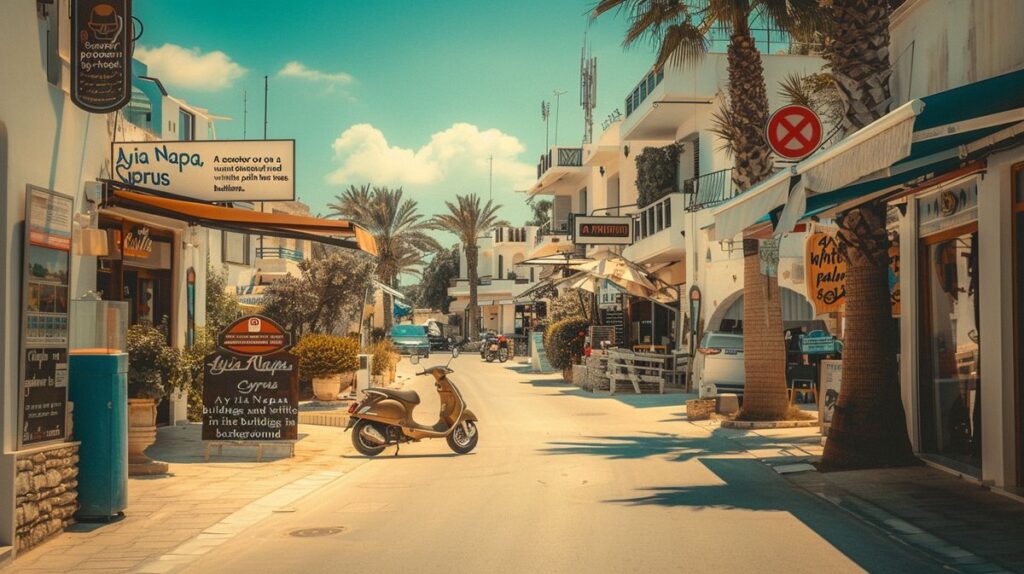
925,136
332,231
554,254
531,293
393,292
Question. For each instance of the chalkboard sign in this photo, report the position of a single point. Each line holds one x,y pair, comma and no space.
250,398
101,60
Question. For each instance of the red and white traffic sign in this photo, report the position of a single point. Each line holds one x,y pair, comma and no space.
793,131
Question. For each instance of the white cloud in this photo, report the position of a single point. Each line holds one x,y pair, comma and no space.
190,68
455,160
299,70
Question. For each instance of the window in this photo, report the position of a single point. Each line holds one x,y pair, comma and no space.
235,247
501,267
188,126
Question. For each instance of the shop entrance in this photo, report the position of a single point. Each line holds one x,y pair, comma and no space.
949,386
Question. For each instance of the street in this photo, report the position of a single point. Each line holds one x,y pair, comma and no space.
562,481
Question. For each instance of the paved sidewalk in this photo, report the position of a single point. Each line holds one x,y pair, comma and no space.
962,525
169,517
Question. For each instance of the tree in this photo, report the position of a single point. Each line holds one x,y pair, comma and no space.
328,295
869,425
469,221
541,211
437,277
396,225
681,29
222,307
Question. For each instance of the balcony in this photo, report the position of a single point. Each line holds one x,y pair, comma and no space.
710,190
561,165
658,232
279,253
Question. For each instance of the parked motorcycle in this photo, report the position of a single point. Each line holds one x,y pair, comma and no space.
384,416
497,347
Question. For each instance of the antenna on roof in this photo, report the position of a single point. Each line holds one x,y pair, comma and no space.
588,89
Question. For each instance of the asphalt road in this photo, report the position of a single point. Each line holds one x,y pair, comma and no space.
563,481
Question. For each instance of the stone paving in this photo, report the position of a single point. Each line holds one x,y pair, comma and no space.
172,518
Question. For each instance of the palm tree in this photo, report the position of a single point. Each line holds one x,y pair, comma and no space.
396,225
869,424
681,29
469,221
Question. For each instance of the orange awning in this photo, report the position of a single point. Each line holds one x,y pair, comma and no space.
332,231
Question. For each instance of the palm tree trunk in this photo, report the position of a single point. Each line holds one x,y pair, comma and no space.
472,253
748,98
764,349
869,428
859,58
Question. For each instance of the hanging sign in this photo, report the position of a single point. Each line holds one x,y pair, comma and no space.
603,230
793,132
43,383
222,170
137,243
826,273
101,60
251,384
894,274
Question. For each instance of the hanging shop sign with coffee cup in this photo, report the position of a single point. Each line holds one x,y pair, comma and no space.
251,384
101,54
603,230
212,171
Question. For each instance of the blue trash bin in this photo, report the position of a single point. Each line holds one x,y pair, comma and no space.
98,385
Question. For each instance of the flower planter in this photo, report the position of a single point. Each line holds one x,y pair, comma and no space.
327,388
142,435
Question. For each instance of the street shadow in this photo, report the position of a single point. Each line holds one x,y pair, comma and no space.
400,456
680,448
184,445
749,485
545,383
676,418
642,401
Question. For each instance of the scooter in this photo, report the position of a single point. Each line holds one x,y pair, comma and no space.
384,416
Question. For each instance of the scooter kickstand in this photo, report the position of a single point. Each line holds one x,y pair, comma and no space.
398,447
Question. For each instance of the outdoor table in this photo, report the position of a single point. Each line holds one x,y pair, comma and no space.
649,347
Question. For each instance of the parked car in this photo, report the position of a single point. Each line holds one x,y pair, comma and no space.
411,339
718,365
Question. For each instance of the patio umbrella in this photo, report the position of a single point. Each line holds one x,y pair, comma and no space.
619,270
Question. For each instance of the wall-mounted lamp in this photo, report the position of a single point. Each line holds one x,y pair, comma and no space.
89,240
601,169
190,238
625,150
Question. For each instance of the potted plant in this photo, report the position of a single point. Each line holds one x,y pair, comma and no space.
563,341
154,370
330,361
385,357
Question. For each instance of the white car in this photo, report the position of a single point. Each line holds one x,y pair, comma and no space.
718,365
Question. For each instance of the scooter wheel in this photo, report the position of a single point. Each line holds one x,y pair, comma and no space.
365,447
502,355
459,442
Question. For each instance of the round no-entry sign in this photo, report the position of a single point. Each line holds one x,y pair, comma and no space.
793,131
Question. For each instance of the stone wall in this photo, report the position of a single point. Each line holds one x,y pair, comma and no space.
46,487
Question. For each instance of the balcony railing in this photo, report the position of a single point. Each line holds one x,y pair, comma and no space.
710,189
279,253
655,217
510,235
565,157
642,90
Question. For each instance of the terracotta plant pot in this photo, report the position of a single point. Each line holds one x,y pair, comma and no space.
327,388
142,435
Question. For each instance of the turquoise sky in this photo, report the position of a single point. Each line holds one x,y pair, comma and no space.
403,73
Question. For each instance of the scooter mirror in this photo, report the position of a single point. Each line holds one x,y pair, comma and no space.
414,359
455,352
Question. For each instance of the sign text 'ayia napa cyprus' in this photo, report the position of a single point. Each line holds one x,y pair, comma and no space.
211,171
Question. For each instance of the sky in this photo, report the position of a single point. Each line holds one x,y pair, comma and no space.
417,94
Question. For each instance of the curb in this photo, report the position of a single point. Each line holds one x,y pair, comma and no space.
761,425
324,419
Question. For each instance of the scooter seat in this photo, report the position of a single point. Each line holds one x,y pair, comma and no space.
410,397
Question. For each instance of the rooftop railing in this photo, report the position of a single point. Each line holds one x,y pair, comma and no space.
565,157
279,253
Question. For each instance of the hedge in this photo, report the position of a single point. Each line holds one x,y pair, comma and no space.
563,342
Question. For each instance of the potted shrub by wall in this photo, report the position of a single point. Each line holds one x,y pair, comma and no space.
330,361
564,344
152,369
385,358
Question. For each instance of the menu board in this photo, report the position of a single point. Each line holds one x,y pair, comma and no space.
101,61
44,329
251,397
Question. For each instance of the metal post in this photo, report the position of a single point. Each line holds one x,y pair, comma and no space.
558,98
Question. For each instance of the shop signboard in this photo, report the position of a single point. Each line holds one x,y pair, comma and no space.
211,171
250,385
831,379
820,343
826,273
603,230
101,54
43,383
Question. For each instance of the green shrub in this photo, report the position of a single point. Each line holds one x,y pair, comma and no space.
323,355
154,367
385,356
563,343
